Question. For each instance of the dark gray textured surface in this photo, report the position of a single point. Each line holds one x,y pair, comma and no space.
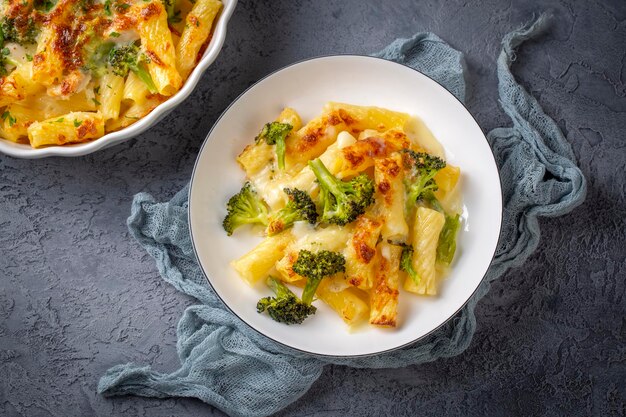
77,295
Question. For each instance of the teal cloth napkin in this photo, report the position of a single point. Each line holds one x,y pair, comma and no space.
228,365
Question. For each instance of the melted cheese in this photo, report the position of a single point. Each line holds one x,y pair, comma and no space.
64,45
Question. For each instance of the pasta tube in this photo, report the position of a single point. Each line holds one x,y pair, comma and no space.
426,229
111,92
384,294
360,252
312,140
359,118
333,238
390,194
350,307
157,43
70,128
197,29
256,264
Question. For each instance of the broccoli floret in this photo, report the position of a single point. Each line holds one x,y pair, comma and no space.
245,207
446,247
21,29
169,7
285,307
98,53
419,179
406,263
173,15
447,239
44,5
299,208
126,58
85,5
315,267
275,133
342,202
5,60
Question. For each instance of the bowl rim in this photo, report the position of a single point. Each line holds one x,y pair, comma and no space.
113,138
322,355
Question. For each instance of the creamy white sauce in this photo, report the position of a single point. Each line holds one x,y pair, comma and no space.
270,187
16,51
421,135
345,139
368,133
125,37
84,81
337,284
385,252
301,229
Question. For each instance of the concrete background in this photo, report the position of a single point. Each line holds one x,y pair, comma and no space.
78,295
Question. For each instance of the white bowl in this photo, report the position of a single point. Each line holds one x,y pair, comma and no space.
19,150
307,86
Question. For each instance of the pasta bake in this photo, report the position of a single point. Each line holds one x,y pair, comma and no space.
357,206
74,70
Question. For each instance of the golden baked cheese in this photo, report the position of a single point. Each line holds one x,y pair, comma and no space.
110,61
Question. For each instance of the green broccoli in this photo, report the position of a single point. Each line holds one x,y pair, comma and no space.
85,5
299,207
5,59
173,15
44,5
315,267
245,207
98,53
447,237
128,57
419,179
285,307
406,263
21,29
169,7
275,133
342,202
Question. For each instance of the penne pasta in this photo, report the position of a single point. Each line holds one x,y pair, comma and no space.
197,29
290,116
312,140
157,44
256,264
134,112
359,118
111,92
135,89
347,303
11,90
384,294
70,128
390,194
257,156
305,179
360,251
48,62
426,229
331,238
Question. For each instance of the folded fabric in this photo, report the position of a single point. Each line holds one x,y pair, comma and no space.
228,365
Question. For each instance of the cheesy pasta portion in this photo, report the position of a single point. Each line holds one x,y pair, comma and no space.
74,70
358,205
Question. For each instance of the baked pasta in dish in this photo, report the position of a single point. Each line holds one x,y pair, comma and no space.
357,206
74,70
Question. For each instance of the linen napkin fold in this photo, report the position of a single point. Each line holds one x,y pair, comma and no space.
228,365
